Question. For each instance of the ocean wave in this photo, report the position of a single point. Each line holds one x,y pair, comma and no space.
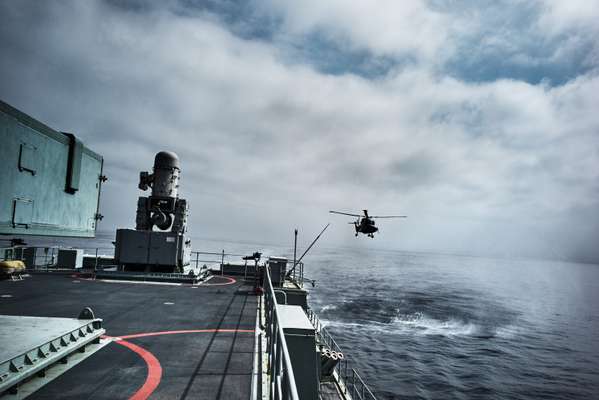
329,307
444,313
421,324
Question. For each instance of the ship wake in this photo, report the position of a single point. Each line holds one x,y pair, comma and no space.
420,313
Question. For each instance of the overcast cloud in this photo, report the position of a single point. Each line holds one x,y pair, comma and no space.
477,119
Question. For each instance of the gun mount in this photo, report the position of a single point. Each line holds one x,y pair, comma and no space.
158,243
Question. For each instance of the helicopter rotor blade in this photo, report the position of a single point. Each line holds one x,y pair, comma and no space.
342,213
389,216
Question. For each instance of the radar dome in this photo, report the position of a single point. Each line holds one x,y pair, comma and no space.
166,159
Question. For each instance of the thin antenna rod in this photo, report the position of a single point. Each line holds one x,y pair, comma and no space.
295,248
307,250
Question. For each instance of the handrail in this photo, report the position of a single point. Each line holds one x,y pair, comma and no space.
350,379
46,256
297,274
220,262
280,370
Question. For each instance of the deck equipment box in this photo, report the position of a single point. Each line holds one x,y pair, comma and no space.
70,258
278,268
152,248
300,337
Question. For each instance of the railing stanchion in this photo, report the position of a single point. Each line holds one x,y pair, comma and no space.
222,263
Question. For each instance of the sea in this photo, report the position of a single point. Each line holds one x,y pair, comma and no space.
422,325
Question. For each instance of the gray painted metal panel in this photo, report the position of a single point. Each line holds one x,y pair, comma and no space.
70,258
131,246
185,250
31,344
151,248
296,297
278,267
33,181
22,212
163,248
300,336
294,320
28,158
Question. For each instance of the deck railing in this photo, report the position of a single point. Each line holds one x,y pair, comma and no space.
350,380
297,273
280,371
214,258
40,257
44,257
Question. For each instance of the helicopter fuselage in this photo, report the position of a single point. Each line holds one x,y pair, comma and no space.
366,226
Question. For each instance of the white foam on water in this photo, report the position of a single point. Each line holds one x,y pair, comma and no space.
412,326
374,326
329,307
419,323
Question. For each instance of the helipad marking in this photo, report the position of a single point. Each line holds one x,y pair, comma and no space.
230,281
154,370
154,367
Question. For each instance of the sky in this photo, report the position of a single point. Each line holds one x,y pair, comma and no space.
477,119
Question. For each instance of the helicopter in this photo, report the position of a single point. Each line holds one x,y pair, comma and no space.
365,223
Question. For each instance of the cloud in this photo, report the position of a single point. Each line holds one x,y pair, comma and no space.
495,165
387,27
534,41
560,16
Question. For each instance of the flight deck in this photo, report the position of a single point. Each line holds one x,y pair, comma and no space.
170,341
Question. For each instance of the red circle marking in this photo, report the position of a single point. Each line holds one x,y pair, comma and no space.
154,368
230,282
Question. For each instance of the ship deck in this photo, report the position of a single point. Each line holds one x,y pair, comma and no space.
168,341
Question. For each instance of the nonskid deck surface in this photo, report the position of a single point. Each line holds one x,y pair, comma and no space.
177,342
